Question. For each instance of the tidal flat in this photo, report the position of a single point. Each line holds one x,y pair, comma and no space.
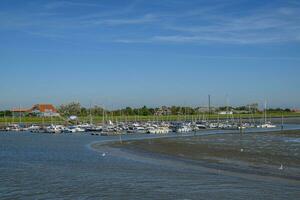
269,154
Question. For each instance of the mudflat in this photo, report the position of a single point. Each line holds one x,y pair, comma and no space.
270,154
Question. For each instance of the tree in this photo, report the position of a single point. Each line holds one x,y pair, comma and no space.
5,113
96,110
175,110
83,111
70,109
128,111
144,111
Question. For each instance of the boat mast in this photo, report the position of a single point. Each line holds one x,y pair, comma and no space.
281,120
265,112
249,109
103,115
121,115
227,109
91,119
13,117
4,113
209,108
185,116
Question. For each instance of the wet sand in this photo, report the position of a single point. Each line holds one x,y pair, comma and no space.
272,154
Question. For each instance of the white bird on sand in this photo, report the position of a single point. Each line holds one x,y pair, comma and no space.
281,167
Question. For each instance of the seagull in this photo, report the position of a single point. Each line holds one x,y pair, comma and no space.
242,150
103,154
281,167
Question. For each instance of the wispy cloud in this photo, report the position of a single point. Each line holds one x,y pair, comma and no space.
124,21
202,39
171,23
61,4
270,26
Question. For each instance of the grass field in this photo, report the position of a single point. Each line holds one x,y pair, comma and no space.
99,119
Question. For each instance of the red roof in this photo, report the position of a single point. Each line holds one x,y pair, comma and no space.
44,108
39,107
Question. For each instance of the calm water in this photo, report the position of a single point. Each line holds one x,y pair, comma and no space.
43,166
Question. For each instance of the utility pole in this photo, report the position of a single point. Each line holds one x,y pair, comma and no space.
20,115
241,127
265,112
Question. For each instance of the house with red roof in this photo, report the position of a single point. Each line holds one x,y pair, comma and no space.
40,110
44,110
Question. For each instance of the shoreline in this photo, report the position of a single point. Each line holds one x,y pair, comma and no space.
214,156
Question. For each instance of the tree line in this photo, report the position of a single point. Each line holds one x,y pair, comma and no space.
77,109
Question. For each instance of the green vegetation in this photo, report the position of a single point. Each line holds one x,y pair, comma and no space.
173,113
99,119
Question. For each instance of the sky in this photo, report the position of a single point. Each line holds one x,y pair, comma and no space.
161,52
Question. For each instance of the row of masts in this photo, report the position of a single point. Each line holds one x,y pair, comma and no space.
197,117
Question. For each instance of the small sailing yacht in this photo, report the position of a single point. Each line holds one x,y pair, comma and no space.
266,124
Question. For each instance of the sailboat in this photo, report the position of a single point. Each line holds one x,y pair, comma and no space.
266,124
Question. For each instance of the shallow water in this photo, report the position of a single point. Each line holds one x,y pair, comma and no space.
43,166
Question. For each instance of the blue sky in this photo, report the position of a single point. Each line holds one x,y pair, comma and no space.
159,52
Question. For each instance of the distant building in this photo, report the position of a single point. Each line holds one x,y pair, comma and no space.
206,109
164,110
44,110
225,113
241,111
40,110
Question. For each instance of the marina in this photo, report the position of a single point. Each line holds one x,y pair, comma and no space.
149,127
152,120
